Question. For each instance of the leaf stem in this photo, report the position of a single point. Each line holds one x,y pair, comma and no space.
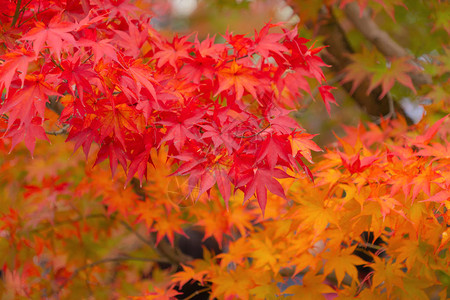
198,292
16,13
87,59
253,135
163,248
56,64
63,130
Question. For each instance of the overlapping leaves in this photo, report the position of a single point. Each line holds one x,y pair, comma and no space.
216,106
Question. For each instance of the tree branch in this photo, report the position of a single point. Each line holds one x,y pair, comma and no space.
16,13
337,55
198,292
103,261
173,255
253,135
290,271
65,222
381,39
55,105
63,130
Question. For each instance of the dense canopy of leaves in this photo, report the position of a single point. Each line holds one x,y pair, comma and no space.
201,126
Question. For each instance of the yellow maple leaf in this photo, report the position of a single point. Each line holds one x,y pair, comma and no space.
188,274
342,263
232,284
312,288
388,274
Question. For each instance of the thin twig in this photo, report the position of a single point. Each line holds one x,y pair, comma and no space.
63,130
87,59
307,100
290,271
32,17
103,261
52,225
56,64
236,58
163,248
253,135
198,292
137,234
16,13
371,246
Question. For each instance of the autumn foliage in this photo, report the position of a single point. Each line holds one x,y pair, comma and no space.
150,138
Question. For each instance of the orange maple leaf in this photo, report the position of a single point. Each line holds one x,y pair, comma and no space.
342,263
188,274
239,77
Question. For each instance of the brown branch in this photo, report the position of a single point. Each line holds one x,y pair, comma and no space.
164,249
103,261
137,234
173,254
206,289
61,131
290,271
55,105
337,55
16,13
65,222
253,135
381,39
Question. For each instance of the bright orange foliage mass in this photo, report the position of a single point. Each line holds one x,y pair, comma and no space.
203,134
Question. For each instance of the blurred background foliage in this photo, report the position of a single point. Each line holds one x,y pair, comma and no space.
419,27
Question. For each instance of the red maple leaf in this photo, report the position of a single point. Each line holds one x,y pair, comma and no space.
11,63
117,120
114,151
196,68
77,77
52,34
179,127
223,183
355,164
263,180
172,52
327,96
266,42
24,103
274,148
143,77
28,133
131,42
425,138
222,130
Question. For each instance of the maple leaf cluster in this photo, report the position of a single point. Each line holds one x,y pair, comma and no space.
221,108
390,180
375,180
207,124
